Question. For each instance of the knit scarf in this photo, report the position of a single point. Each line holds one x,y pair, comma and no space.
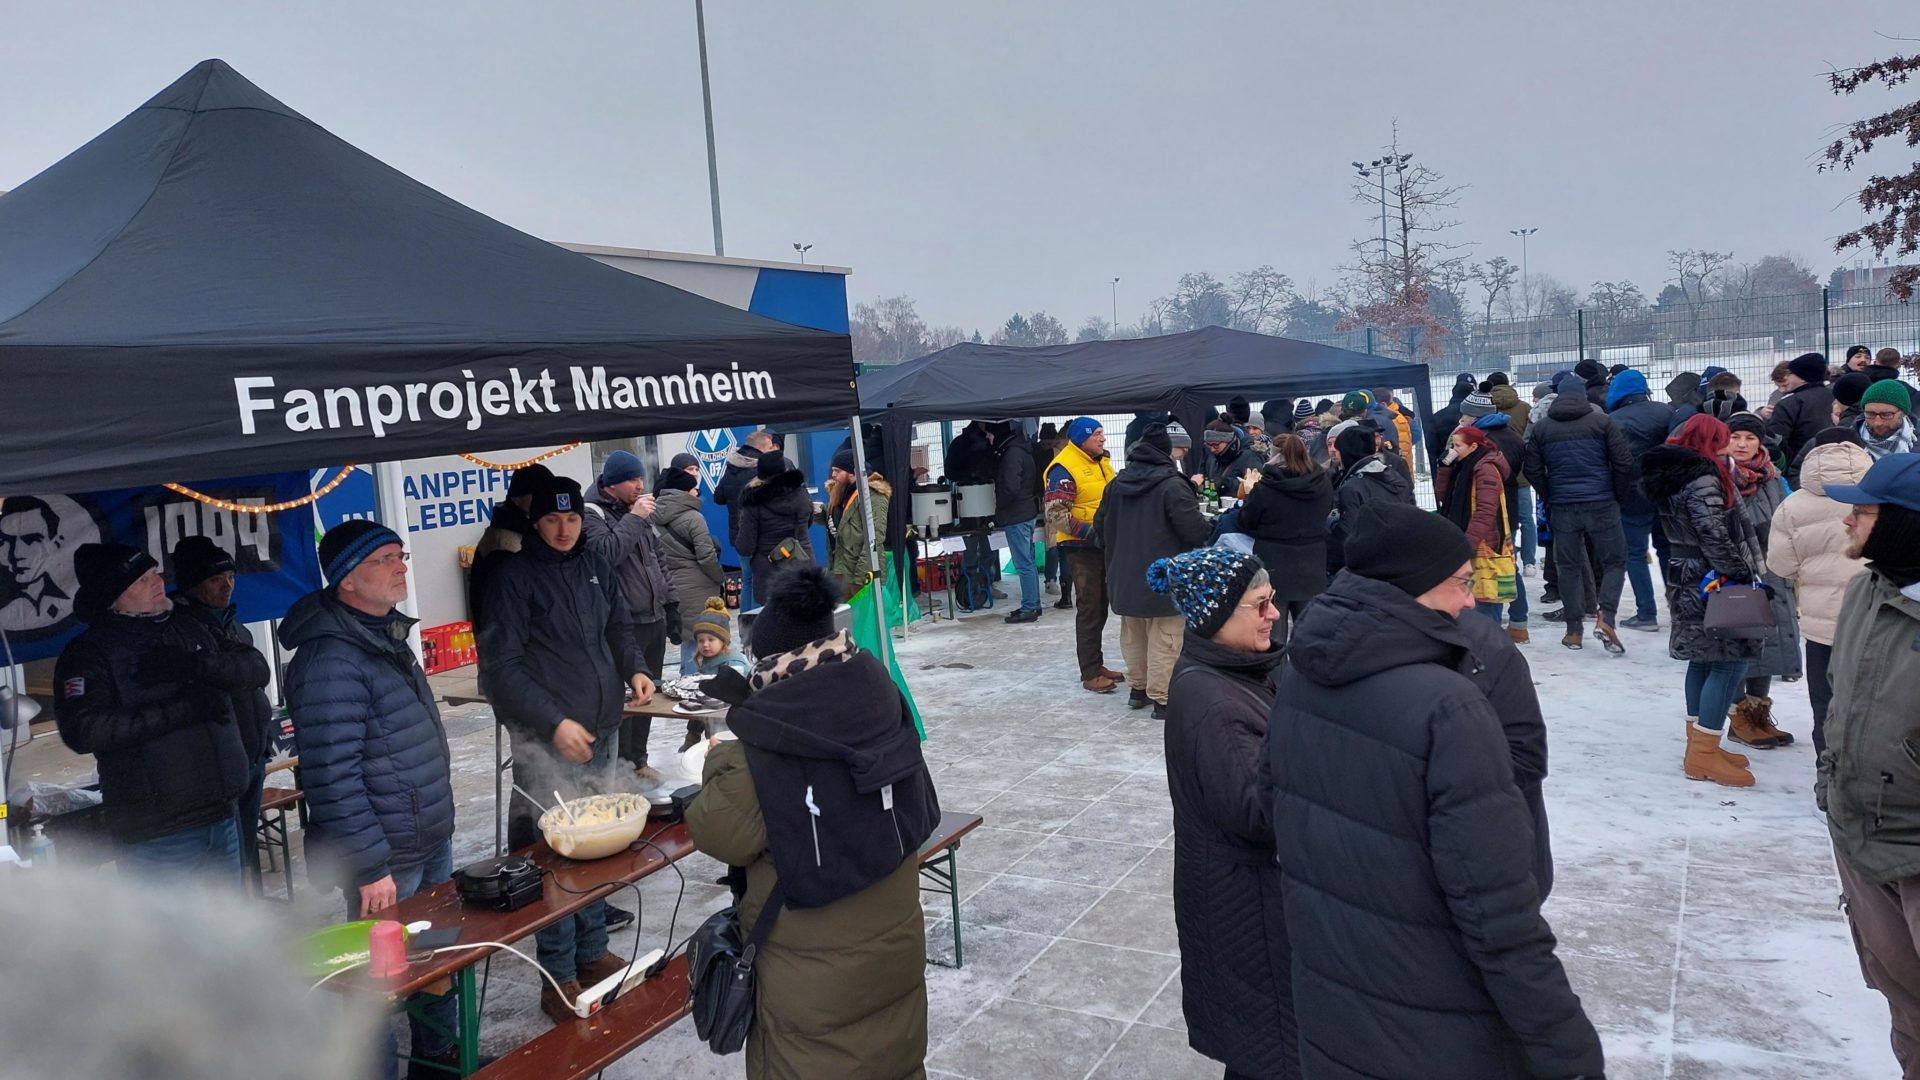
1898,441
1749,475
827,650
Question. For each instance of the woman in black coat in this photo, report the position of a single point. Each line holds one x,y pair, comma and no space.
774,507
1238,994
1286,514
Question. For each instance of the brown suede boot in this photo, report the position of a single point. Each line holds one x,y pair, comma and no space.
1763,719
592,971
1099,684
1518,634
1732,758
1743,725
1703,760
559,1009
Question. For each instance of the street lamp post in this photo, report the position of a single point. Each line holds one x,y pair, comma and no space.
1378,168
803,249
1114,329
1523,234
706,99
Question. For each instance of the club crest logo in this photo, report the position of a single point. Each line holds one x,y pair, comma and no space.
712,447
563,502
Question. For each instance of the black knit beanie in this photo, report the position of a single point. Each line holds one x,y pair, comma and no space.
104,572
798,612
1749,423
1156,436
676,480
1848,388
1893,548
1811,367
527,479
559,495
197,558
1239,410
845,461
1353,444
772,464
1406,547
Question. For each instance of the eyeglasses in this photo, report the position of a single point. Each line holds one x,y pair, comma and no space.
1259,606
385,561
1462,581
1883,414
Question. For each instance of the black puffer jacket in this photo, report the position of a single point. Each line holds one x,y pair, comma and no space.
1576,455
1016,493
1149,512
1238,994
1418,945
742,464
151,700
1370,478
1806,411
1704,534
558,643
1498,667
772,511
1287,517
252,712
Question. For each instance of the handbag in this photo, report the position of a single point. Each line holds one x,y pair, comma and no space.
720,978
1496,580
1738,612
784,550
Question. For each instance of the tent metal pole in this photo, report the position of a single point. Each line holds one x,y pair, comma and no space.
873,557
390,509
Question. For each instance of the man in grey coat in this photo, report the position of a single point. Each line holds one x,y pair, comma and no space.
1862,781
618,527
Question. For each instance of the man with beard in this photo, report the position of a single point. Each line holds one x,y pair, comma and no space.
1885,424
1874,820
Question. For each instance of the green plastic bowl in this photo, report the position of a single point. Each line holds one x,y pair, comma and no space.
335,947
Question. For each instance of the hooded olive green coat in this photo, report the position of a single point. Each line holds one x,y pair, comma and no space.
843,988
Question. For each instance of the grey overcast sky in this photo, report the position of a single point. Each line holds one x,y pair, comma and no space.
992,155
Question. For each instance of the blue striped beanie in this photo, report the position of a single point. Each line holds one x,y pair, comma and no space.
348,544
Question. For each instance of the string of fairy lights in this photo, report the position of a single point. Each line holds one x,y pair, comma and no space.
338,479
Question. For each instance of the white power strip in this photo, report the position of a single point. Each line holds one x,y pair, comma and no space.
614,984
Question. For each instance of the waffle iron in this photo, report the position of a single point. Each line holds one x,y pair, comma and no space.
508,883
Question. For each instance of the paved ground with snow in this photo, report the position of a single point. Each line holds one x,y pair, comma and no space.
1698,923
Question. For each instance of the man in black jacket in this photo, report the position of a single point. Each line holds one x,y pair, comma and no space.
1361,475
1448,418
1395,814
1016,503
1805,411
1644,423
558,652
203,591
505,532
1579,463
617,525
742,466
1150,512
150,695
972,460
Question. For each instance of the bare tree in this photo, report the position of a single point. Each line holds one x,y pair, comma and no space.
943,337
1094,329
1894,199
1495,279
1258,300
1693,272
888,331
1396,275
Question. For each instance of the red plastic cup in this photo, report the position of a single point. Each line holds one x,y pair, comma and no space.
386,949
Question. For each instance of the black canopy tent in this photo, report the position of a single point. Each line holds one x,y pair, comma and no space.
217,286
1185,374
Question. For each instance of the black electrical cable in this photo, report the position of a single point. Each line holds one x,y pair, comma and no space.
640,909
673,920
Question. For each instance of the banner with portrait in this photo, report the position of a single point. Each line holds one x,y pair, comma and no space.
275,562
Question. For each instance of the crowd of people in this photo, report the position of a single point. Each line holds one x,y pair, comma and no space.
1355,751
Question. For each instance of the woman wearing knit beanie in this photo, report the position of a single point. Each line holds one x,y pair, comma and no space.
1759,492
1238,995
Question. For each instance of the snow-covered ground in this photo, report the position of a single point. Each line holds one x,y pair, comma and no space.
1698,923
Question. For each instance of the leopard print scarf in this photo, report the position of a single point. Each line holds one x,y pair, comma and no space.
827,650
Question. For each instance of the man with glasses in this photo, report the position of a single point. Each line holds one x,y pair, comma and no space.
1398,819
1864,773
1885,424
374,760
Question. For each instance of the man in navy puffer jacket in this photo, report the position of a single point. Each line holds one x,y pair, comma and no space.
1581,466
374,760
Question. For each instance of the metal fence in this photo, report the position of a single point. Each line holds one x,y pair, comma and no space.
1745,335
